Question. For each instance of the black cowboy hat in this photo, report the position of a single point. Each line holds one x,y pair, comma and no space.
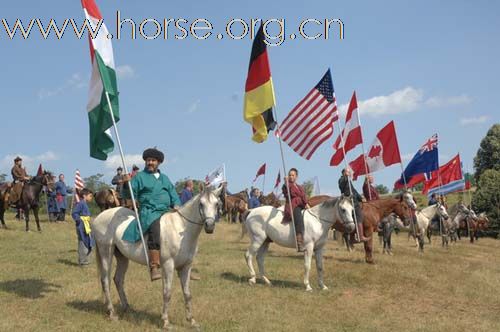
17,159
153,153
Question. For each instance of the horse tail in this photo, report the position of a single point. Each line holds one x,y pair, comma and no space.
243,217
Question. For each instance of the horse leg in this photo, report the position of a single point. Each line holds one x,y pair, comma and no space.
168,274
37,219
369,246
261,253
318,256
27,219
250,253
119,278
389,243
184,276
105,257
471,236
345,236
429,234
307,265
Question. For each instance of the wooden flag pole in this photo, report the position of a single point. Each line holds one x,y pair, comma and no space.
129,182
364,155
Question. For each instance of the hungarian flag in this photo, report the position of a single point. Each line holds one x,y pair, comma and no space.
102,85
261,171
449,172
351,134
383,152
259,91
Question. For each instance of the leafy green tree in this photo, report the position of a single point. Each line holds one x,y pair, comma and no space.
488,155
487,197
382,189
197,184
95,182
308,187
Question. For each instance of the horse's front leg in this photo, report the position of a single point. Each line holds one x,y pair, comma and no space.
318,255
184,276
307,265
26,218
37,219
168,274
369,246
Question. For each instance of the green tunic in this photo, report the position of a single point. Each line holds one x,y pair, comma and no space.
155,197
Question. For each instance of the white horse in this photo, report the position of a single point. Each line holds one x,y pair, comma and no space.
179,238
264,224
424,218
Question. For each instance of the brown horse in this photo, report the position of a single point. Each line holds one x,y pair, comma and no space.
476,224
106,199
270,200
373,212
234,205
4,202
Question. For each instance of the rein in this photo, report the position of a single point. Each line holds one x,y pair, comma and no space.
324,220
189,220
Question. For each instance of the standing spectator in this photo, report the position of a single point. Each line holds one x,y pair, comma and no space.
52,204
254,198
81,216
187,192
61,191
117,181
125,194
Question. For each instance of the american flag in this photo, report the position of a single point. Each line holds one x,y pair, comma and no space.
310,123
79,185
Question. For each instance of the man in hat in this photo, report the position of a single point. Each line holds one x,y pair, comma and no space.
61,190
346,186
20,177
156,195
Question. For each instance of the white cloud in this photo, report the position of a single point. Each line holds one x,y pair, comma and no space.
194,106
473,120
408,99
30,162
115,161
74,82
125,71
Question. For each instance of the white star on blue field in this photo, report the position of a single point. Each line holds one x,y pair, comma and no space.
431,67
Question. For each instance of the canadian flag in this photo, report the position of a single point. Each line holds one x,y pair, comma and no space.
383,152
351,134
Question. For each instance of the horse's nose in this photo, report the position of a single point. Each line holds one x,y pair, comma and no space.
349,227
209,225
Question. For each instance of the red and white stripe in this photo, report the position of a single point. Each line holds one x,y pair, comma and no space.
309,124
79,184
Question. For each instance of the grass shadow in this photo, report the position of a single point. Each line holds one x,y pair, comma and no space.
276,282
67,262
29,288
131,315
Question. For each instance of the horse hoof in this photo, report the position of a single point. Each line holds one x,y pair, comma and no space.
309,288
168,327
370,261
390,253
113,317
252,281
267,282
195,326
324,288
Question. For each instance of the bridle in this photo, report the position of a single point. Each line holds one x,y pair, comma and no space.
324,220
200,211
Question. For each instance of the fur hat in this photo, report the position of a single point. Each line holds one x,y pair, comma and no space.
153,153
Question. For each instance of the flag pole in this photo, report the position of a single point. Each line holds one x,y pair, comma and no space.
264,184
349,180
406,189
363,150
129,182
289,198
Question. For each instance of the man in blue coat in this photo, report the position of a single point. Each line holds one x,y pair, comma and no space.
61,191
187,192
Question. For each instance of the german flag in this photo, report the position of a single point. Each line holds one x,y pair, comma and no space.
259,91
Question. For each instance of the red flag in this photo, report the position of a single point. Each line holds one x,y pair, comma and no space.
414,180
40,170
383,152
351,134
261,171
278,180
449,172
467,185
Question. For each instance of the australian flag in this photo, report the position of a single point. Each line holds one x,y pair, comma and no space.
424,162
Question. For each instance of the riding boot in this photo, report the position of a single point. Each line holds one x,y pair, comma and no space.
300,242
361,233
154,264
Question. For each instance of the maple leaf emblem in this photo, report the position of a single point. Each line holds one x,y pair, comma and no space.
375,151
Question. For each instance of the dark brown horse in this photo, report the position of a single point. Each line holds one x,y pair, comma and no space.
4,202
473,225
234,205
270,200
106,199
30,196
373,212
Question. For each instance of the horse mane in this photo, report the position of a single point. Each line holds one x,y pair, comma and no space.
329,203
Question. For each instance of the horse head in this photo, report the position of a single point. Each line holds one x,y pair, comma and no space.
403,211
407,197
441,211
346,212
48,180
209,207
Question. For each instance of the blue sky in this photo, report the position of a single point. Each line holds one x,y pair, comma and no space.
431,67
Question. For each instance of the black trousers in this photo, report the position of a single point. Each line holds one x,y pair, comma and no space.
154,235
298,219
358,211
62,214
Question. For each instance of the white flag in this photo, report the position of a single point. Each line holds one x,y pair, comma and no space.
216,177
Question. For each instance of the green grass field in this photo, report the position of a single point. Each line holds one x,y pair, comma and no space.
455,289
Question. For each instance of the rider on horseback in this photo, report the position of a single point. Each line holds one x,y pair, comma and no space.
20,177
156,195
346,186
299,203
